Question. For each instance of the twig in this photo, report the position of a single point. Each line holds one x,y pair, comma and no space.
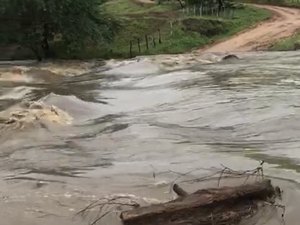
104,205
100,204
220,177
100,218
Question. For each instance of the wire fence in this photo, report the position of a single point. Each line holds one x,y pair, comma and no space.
146,42
201,10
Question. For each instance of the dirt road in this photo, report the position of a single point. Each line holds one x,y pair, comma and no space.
284,23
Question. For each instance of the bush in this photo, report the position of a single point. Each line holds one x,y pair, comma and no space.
204,27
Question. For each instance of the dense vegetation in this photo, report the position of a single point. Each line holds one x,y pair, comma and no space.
86,29
287,44
180,31
37,24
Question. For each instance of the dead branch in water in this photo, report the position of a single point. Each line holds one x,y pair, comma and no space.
226,206
217,206
105,206
219,174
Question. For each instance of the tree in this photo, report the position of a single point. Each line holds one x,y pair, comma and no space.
71,22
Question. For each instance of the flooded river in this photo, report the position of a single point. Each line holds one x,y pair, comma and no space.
74,132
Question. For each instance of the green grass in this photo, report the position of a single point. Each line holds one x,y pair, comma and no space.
180,39
187,33
127,7
287,3
292,2
287,44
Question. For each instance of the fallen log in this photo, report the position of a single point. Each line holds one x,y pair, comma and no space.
215,206
179,191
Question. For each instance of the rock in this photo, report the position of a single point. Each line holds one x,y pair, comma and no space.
297,46
230,56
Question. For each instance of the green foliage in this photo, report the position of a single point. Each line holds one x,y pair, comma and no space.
186,34
80,29
244,18
205,27
37,23
179,41
130,7
118,7
287,44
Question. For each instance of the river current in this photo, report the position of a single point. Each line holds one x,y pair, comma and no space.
102,128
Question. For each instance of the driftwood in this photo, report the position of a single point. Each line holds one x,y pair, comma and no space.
215,206
179,191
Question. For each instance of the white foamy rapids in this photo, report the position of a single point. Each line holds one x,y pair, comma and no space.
76,107
133,67
15,74
45,70
20,74
291,81
181,61
68,68
153,64
129,198
17,93
34,113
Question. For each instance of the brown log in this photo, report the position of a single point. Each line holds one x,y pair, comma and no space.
217,206
179,191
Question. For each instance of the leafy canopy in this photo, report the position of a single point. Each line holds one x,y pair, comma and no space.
36,23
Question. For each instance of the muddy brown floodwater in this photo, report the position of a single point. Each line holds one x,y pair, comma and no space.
121,122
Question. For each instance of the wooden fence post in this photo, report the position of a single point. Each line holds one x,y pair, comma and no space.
159,37
226,12
232,15
223,11
130,49
201,8
153,41
139,45
147,44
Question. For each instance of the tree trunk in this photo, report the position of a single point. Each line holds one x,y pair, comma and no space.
181,4
220,5
217,206
36,52
45,42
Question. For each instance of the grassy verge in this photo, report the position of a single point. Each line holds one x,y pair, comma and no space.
179,33
130,7
185,33
287,44
285,3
